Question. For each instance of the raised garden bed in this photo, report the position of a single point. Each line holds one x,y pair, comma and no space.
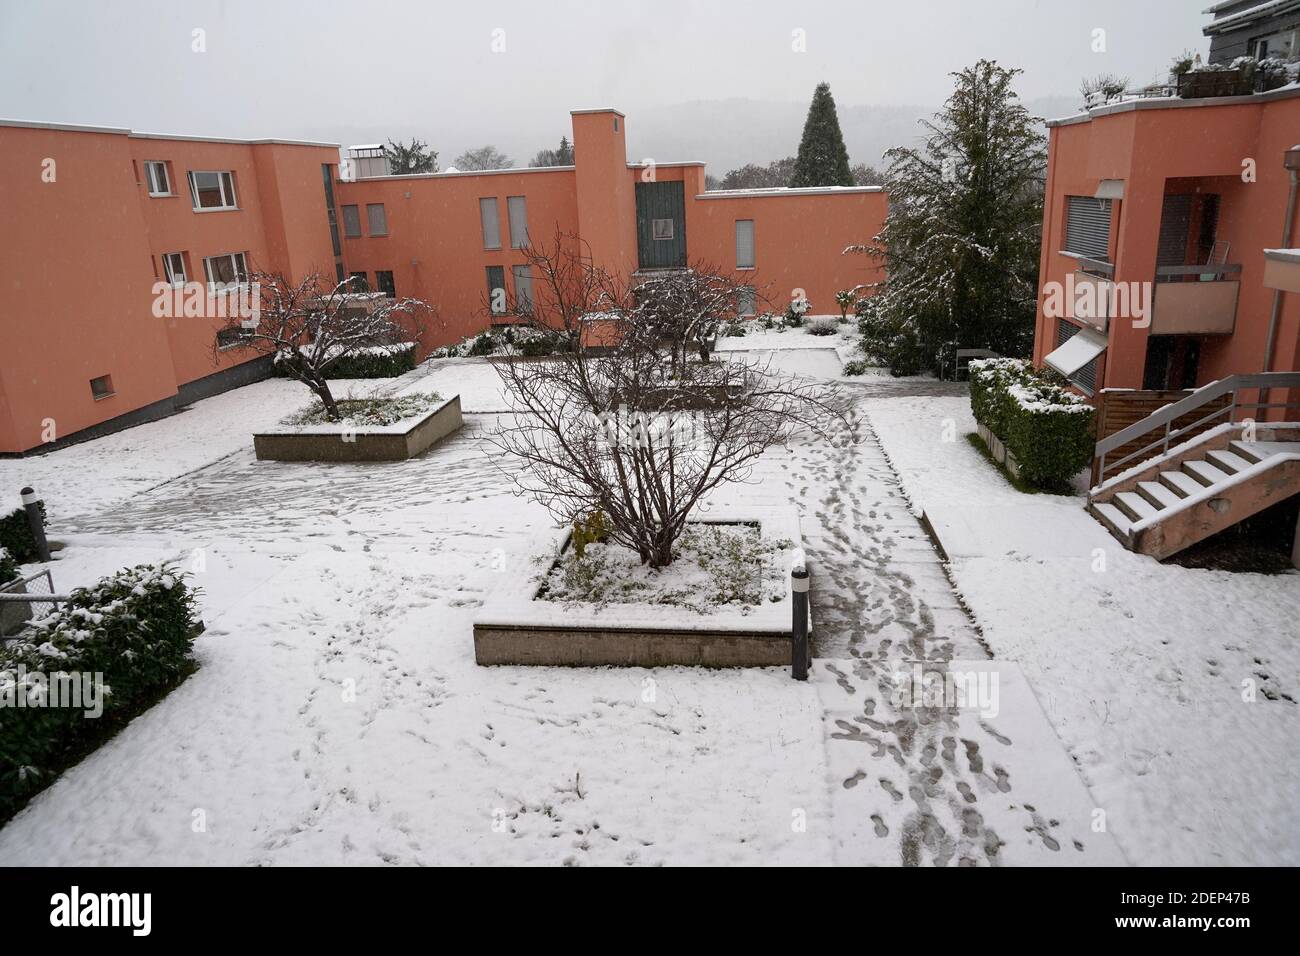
697,614
356,438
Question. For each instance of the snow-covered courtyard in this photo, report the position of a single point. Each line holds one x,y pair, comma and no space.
338,715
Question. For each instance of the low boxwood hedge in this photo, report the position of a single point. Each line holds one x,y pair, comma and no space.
1045,426
135,629
387,361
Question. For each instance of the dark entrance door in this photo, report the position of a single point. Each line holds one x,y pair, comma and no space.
661,225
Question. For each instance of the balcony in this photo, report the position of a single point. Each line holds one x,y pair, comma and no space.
1195,299
1282,269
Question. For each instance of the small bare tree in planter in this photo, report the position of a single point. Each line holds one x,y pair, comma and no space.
634,432
311,324
687,308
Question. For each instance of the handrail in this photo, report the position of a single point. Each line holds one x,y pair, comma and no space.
1223,269
1202,396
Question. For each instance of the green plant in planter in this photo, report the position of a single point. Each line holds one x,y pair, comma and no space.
591,529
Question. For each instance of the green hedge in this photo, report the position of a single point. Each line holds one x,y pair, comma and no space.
1046,427
8,567
16,535
388,363
135,628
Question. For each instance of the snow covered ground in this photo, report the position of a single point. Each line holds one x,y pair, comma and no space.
1141,666
338,716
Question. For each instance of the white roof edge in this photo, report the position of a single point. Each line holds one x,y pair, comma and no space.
1173,103
464,172
779,191
598,109
684,162
136,134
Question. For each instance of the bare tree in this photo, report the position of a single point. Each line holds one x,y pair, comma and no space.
485,157
309,325
623,430
686,309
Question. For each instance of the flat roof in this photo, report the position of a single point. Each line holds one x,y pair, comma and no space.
1175,103
136,134
778,191
462,172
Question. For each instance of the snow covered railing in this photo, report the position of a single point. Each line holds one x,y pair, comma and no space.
1165,417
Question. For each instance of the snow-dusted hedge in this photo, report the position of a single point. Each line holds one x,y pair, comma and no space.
134,628
380,361
1048,428
8,567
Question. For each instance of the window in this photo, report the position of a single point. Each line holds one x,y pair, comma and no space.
745,300
1281,45
1087,227
744,243
1086,376
661,229
212,190
615,124
384,280
496,280
229,338
487,209
517,210
376,219
225,271
359,282
523,289
101,387
155,174
352,221
174,267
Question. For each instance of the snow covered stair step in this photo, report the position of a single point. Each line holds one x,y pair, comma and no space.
1227,461
1134,505
1118,521
1180,482
1249,450
1204,472
1158,495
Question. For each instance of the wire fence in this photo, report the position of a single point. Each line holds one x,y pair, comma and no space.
26,599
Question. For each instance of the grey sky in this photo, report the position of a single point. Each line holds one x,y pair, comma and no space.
358,70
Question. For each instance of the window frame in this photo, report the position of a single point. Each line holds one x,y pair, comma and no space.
495,219
170,273
523,303
1109,206
505,305
214,286
753,245
655,235
225,181
370,220
391,291
517,241
149,179
108,393
348,232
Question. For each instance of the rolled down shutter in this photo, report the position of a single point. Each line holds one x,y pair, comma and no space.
491,222
1087,227
517,209
744,243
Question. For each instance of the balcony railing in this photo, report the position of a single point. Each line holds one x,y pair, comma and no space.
1195,300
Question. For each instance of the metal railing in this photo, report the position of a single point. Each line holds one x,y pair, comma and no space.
21,600
1162,419
1205,272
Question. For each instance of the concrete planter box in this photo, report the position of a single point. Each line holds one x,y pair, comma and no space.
396,442
516,627
998,449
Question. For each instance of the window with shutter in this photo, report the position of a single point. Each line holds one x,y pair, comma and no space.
351,221
744,243
517,210
487,209
1087,227
376,219
1085,377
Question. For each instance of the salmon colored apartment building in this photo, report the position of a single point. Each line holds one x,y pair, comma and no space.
97,217
1176,216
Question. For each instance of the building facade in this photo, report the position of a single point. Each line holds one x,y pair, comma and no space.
97,217
1157,269
1258,28
94,219
451,238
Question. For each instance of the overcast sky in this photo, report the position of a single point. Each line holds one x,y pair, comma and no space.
338,70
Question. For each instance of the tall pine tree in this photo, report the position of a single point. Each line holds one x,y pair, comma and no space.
961,241
822,159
